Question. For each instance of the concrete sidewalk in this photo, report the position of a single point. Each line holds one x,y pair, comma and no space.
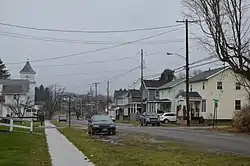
63,152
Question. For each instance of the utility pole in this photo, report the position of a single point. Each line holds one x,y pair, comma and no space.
81,109
69,111
142,109
107,96
96,101
187,69
91,99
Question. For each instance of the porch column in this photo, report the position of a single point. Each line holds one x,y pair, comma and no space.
156,107
135,108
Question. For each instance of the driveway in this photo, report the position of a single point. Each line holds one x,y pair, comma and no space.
233,143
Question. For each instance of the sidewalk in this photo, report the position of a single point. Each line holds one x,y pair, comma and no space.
63,152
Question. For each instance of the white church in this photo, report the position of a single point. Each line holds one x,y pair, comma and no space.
20,91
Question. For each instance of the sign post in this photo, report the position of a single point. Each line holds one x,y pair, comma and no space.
216,103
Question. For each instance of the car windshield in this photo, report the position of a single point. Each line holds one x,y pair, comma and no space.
101,118
151,114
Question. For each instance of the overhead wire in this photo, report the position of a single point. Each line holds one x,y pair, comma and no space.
100,49
71,41
89,31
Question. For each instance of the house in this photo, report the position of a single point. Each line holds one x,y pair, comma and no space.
152,102
168,92
20,91
117,103
127,103
218,84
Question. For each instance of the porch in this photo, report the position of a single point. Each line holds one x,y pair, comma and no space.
154,106
195,103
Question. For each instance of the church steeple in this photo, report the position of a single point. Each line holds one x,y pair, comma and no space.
27,69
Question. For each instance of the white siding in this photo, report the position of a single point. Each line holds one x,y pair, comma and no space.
226,96
171,93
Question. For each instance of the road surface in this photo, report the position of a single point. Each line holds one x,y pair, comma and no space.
227,142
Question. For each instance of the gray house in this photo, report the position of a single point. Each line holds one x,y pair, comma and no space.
152,101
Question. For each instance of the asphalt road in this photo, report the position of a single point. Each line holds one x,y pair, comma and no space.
227,142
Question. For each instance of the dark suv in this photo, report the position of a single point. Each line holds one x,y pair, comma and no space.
150,118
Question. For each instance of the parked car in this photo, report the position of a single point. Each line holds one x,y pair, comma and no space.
168,117
62,118
113,118
101,124
149,118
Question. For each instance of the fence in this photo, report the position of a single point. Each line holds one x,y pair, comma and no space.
11,125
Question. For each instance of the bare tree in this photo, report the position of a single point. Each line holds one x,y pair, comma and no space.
196,72
53,99
20,106
225,24
193,73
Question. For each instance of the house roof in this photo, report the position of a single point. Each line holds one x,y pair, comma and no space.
190,94
203,76
14,89
172,83
14,81
154,83
135,93
13,86
119,93
27,69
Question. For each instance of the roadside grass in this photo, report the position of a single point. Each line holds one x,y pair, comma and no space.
22,148
227,129
134,123
139,150
59,124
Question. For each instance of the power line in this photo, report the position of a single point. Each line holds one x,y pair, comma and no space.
76,74
71,41
100,49
92,31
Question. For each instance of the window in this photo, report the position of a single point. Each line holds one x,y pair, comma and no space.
157,93
170,115
237,86
237,105
203,85
191,88
203,105
219,85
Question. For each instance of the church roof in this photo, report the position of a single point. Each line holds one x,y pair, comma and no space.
27,69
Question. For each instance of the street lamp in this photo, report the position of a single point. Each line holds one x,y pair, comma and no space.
187,82
179,55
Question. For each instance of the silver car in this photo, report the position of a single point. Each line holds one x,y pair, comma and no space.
62,118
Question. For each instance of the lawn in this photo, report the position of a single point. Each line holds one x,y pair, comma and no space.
140,150
21,148
134,123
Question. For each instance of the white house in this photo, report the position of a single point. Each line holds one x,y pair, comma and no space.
168,92
215,84
22,89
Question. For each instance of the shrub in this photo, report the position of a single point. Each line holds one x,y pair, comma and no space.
241,119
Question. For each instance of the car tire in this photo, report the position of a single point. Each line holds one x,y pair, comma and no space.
166,121
114,133
158,124
153,124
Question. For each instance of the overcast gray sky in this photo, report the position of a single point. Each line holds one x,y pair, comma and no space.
93,15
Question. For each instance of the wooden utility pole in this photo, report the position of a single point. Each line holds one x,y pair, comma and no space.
96,93
91,99
187,69
142,59
107,96
69,111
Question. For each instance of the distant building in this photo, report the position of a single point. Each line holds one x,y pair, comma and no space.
23,88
